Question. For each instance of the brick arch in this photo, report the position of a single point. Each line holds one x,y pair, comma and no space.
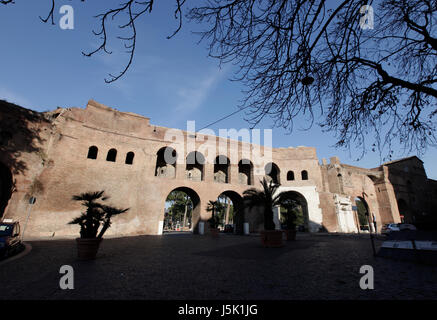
300,198
238,203
272,170
165,165
196,200
221,167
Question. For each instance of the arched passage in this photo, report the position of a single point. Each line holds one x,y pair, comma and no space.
295,202
232,209
182,205
362,213
5,187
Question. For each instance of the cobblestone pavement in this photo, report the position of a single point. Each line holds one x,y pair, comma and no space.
185,266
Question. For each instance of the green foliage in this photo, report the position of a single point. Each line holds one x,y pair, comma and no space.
292,213
361,208
212,207
96,214
180,206
265,198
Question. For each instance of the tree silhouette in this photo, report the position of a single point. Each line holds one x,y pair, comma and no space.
266,199
364,73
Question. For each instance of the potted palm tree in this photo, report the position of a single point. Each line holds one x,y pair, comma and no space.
292,217
97,216
267,200
213,221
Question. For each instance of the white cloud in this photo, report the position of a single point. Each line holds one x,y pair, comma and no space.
192,95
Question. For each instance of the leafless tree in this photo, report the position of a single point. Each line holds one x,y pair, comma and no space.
314,58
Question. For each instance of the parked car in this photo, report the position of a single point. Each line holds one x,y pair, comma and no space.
397,227
390,227
10,241
406,226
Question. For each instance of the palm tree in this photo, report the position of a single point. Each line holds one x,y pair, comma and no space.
109,213
265,198
212,207
89,221
96,214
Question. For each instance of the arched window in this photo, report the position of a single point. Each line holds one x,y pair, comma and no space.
272,172
194,166
221,169
304,174
290,176
166,163
112,155
245,172
130,158
92,152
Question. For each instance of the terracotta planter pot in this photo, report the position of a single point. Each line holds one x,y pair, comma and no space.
271,238
290,235
87,248
214,232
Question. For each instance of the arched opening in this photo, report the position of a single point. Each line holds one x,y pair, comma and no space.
362,212
221,169
6,185
112,155
92,152
130,158
245,172
272,172
295,205
290,176
182,210
166,163
405,211
230,211
304,175
194,168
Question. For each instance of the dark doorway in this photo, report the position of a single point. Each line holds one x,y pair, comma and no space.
6,185
362,214
297,203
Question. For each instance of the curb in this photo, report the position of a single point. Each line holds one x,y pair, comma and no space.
27,249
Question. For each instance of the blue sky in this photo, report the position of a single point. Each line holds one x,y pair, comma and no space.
170,81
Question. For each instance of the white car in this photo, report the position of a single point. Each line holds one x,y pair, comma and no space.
390,227
397,227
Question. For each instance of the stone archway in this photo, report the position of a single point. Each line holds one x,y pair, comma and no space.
302,208
196,207
238,209
362,213
6,185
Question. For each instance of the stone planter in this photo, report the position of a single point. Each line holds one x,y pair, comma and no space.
214,232
87,248
271,238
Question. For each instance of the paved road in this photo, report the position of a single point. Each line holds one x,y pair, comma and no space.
184,266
